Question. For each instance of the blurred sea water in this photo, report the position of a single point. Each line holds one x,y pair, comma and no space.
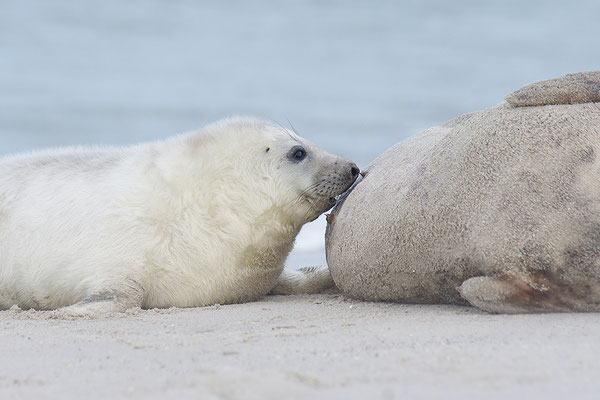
354,77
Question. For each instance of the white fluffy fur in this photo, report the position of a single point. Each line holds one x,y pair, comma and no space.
203,218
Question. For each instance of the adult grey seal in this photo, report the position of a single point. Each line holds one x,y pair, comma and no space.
498,208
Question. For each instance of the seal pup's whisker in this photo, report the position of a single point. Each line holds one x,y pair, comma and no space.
287,131
293,128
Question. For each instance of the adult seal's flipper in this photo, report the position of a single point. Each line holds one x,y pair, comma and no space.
529,293
582,87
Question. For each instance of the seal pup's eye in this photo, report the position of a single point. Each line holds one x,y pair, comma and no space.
297,154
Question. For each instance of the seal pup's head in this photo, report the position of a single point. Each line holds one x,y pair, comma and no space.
276,170
319,176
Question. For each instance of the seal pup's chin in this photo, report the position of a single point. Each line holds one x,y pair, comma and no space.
331,203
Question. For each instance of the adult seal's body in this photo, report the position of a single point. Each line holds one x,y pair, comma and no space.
498,208
194,220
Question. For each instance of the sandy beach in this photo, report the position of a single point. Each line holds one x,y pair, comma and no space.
300,347
354,78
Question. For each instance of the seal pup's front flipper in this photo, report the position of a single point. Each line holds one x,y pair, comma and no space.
307,280
105,302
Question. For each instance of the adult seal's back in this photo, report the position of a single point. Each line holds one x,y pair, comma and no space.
499,208
203,218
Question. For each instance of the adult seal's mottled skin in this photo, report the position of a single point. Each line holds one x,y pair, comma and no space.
499,208
199,219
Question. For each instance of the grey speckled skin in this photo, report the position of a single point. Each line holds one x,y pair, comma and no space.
500,208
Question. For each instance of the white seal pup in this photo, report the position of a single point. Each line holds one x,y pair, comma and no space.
198,219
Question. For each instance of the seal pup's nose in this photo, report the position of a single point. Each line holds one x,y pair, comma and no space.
354,170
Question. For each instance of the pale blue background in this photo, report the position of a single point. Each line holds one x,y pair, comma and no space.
352,76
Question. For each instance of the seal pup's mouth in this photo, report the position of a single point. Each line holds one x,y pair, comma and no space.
327,193
335,200
350,188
